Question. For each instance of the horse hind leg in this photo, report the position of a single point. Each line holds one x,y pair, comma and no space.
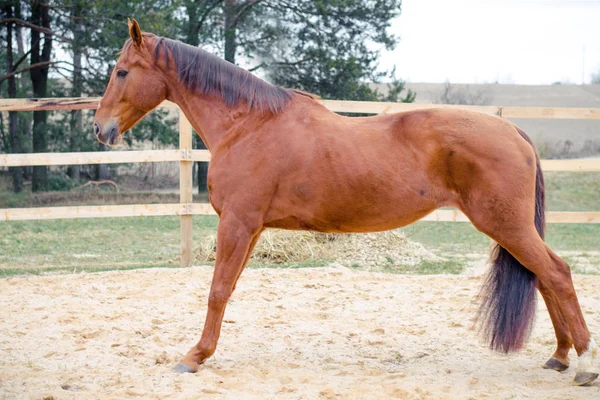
560,359
529,251
561,287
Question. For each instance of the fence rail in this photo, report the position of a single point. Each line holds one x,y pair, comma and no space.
185,155
371,107
122,157
189,209
102,157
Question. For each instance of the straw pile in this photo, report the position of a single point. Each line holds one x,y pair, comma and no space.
389,249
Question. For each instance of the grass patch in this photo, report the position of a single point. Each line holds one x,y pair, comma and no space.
572,191
577,244
435,267
94,244
66,246
460,238
293,265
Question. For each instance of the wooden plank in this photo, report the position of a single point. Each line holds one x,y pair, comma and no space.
114,157
446,216
563,217
201,209
101,157
66,103
133,210
185,190
572,217
577,165
200,155
153,210
91,103
63,103
550,112
505,112
80,212
372,107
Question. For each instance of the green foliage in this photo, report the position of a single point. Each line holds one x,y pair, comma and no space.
60,182
330,48
157,127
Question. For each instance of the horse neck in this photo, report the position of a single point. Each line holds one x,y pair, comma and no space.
210,117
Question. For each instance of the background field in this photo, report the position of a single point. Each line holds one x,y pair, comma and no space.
126,243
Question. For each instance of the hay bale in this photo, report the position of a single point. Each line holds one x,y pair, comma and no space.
367,250
276,246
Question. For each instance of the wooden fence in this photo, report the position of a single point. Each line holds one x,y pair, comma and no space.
185,155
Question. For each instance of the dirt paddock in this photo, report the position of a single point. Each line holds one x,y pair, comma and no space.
322,333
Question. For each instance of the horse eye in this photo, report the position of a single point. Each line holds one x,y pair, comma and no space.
121,73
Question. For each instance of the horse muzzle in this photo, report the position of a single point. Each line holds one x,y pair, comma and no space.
107,134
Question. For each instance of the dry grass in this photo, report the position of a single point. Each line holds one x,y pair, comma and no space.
372,251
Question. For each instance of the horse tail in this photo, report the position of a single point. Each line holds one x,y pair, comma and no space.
509,290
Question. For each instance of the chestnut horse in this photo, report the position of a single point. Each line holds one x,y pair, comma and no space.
282,160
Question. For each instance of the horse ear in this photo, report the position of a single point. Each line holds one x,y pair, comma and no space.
134,31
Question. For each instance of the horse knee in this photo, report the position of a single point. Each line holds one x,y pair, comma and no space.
219,297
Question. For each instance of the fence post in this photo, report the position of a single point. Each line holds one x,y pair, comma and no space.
185,188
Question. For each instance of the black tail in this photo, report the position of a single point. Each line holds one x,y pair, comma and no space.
509,291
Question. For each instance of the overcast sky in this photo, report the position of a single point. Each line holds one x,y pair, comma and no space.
505,41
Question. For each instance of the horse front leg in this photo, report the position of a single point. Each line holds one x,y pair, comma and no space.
235,242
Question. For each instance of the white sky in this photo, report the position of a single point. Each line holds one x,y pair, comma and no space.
508,41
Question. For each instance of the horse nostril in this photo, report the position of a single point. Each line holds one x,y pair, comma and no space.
96,129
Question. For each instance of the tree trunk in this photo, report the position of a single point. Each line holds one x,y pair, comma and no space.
40,15
191,34
24,128
230,30
13,117
77,90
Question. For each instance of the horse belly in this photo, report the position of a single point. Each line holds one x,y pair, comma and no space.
351,214
379,217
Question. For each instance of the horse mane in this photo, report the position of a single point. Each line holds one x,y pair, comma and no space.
208,74
307,94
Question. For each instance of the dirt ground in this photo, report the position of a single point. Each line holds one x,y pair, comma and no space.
322,333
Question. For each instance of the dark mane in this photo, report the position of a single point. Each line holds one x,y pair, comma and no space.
211,75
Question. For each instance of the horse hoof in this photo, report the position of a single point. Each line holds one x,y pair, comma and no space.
182,368
583,378
555,364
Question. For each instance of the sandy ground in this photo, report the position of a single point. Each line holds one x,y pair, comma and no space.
323,333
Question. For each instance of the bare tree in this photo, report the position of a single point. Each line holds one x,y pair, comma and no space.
463,94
